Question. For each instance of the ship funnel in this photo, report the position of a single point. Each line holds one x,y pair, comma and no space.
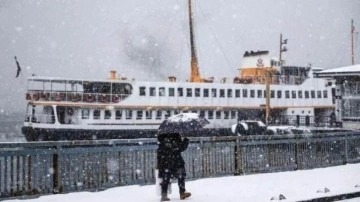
112,75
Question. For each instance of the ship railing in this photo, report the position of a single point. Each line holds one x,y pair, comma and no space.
73,96
275,79
306,120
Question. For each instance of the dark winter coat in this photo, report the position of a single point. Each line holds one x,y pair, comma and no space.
169,154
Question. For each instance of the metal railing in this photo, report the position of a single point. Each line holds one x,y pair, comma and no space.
60,167
66,96
275,79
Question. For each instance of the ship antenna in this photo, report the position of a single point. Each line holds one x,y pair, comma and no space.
195,75
282,48
352,42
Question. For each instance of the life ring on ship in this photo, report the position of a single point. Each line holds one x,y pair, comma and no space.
70,111
28,96
284,79
116,98
35,96
58,97
104,98
75,97
44,96
90,98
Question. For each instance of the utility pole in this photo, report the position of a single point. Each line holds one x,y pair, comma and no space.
282,48
352,42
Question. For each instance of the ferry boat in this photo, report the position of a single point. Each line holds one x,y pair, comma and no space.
119,107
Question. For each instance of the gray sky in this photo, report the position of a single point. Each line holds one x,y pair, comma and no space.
88,38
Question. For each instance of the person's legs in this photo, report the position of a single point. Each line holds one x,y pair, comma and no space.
181,183
181,175
164,187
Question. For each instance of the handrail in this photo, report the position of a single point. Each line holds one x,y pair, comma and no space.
73,96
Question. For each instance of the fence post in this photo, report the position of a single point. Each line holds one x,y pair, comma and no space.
238,158
346,160
296,155
57,171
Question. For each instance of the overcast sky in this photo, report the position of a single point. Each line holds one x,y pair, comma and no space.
88,38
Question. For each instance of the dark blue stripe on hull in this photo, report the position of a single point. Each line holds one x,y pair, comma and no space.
36,134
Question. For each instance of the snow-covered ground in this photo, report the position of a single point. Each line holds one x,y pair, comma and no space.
295,186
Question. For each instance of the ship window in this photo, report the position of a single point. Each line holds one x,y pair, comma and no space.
226,114
148,114
244,92
300,94
306,94
194,111
96,87
233,114
287,94
167,114
116,88
210,114
118,114
229,93
325,93
96,114
237,93
252,93
213,92
312,94
218,114
189,92
180,92
206,92
158,114
85,114
197,92
202,113
121,88
152,91
142,91
176,112
128,114
139,114
222,92
161,91
107,114
259,93
319,93
293,94
279,95
272,94
171,92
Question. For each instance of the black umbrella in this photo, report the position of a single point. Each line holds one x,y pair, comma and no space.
183,123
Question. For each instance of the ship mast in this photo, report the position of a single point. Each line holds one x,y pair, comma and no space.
352,42
195,74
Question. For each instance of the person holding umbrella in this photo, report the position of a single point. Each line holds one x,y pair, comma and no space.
171,164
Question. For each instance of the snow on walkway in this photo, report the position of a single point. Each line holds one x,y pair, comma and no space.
294,185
